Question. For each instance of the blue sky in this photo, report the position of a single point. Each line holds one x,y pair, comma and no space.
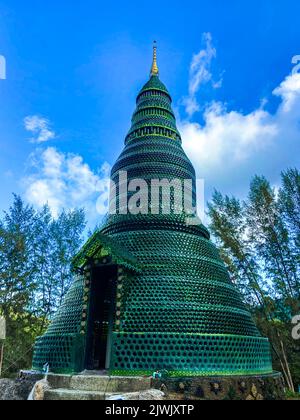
74,69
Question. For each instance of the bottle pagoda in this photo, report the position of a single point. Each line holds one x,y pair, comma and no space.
151,292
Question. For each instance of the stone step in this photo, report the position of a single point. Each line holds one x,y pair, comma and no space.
77,395
98,383
73,395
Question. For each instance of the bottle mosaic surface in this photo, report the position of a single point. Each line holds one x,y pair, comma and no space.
176,308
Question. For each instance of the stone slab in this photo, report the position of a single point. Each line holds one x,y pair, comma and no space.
73,395
110,384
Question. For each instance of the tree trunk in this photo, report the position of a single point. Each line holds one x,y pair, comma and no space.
1,356
291,383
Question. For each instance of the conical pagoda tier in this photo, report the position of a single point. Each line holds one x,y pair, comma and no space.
173,305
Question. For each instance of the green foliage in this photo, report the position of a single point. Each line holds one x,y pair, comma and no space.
260,243
35,273
232,395
292,395
22,331
271,238
290,203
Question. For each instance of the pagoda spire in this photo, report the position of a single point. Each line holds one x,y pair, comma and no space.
154,69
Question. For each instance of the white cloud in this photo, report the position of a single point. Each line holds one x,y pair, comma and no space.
40,128
227,136
288,91
230,145
66,181
200,74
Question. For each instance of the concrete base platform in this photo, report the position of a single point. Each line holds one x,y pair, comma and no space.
92,386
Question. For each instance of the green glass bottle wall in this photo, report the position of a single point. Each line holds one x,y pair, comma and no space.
176,307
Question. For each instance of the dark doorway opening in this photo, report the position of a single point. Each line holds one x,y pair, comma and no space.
102,311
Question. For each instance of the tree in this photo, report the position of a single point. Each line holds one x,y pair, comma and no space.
271,238
229,226
289,205
56,243
35,272
259,242
16,265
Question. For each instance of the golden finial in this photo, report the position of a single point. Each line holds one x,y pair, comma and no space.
154,69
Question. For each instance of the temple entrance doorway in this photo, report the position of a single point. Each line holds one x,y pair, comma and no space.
102,311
